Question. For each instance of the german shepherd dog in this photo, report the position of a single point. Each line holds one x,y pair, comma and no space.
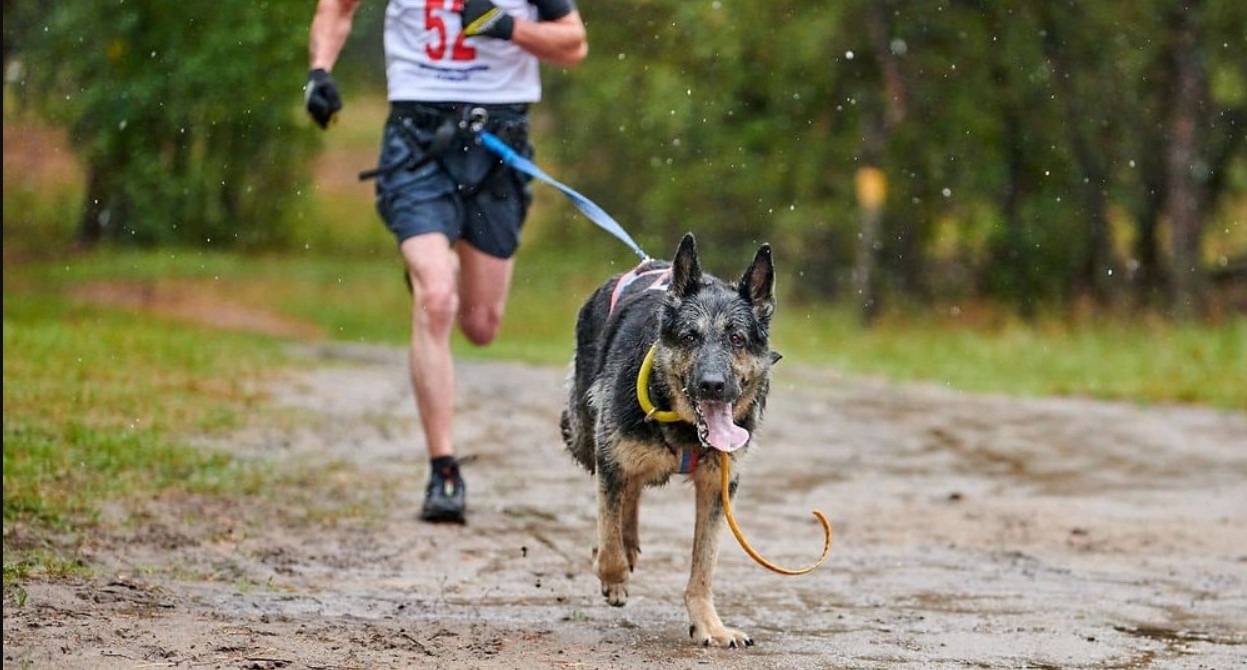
709,377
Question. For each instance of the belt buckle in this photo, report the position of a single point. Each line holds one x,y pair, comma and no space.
474,119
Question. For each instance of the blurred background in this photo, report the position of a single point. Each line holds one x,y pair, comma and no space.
1035,196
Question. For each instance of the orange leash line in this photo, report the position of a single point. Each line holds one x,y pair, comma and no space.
725,463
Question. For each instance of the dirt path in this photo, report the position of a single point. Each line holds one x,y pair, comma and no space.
971,532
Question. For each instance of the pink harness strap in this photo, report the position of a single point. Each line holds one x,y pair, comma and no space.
632,275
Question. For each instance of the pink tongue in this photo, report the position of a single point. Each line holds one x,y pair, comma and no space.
721,433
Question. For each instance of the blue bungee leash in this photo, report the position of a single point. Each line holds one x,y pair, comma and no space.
590,209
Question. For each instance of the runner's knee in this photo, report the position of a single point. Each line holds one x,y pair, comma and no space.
480,325
436,306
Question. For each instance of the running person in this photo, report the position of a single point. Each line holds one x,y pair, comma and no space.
454,209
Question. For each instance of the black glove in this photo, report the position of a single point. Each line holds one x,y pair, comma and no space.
323,101
481,17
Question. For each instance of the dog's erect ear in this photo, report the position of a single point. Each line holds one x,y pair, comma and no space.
757,285
685,269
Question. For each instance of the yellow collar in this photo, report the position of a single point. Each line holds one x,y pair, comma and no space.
642,391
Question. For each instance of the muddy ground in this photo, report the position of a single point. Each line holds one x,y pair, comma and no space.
971,532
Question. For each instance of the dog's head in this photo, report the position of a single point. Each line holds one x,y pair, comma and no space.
715,343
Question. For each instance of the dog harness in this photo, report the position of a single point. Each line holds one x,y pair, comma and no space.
688,460
662,276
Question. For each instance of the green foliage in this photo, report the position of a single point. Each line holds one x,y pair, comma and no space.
1025,143
185,114
1030,126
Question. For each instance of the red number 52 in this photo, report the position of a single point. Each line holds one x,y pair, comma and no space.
433,21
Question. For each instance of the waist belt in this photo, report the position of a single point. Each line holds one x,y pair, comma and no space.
414,108
447,118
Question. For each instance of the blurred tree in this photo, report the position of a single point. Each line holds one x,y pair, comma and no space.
361,65
184,114
1083,84
1034,152
1028,131
882,113
18,18
1204,135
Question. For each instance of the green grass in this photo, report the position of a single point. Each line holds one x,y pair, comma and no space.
99,405
363,299
1140,361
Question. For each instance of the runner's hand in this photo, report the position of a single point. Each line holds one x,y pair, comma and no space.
482,18
323,101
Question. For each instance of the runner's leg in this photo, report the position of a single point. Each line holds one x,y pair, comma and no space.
431,264
484,284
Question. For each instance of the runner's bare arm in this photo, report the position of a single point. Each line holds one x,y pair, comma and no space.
330,28
560,42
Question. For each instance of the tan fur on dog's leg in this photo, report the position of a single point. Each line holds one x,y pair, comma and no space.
611,563
631,504
705,626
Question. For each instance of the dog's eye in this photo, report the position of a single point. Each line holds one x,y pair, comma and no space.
737,340
689,338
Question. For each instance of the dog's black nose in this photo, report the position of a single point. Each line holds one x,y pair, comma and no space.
712,387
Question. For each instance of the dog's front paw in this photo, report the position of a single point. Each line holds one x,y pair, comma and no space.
612,570
616,594
719,636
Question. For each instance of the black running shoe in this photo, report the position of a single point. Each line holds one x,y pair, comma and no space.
445,500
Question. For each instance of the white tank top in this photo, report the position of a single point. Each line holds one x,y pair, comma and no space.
428,59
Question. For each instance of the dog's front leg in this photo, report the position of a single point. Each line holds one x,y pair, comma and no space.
631,525
705,626
611,562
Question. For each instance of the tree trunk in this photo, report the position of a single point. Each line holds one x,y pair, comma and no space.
871,186
95,212
1185,204
1149,276
1096,271
871,180
1017,249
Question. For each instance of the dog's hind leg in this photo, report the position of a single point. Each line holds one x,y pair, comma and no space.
611,563
705,626
577,425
